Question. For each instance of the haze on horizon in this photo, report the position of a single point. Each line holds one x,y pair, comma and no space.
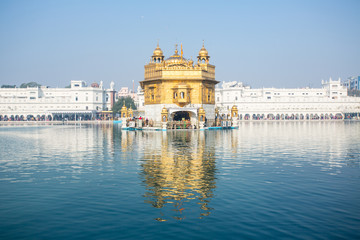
261,43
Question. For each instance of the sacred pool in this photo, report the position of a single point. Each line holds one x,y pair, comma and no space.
264,180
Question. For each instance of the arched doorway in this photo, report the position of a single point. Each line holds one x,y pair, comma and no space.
178,116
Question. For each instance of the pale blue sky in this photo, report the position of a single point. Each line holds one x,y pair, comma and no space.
261,43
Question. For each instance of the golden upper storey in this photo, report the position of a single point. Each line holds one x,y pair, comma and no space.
177,80
177,67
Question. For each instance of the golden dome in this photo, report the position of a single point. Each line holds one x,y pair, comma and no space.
201,110
176,58
203,52
158,52
164,110
234,108
123,107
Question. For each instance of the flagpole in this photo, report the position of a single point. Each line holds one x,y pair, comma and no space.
181,52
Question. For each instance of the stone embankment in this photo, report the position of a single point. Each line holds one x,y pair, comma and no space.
49,123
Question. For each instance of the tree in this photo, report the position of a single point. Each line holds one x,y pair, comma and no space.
8,86
30,84
129,102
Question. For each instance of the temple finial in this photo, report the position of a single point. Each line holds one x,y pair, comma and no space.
176,51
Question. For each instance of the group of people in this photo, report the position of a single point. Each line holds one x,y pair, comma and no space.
140,122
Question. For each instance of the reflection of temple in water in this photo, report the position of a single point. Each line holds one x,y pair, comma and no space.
180,174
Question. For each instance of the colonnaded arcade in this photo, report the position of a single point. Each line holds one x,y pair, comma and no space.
77,102
329,102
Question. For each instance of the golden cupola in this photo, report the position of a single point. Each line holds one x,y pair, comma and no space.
203,52
124,112
234,112
203,55
158,55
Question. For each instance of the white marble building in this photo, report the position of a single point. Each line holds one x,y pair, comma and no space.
77,102
329,102
127,92
140,100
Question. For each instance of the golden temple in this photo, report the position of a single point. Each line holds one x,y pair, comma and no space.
179,86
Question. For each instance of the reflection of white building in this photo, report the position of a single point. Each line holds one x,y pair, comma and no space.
330,101
75,146
77,101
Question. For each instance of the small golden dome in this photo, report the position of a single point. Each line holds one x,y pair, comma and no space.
164,110
158,52
203,52
124,107
234,107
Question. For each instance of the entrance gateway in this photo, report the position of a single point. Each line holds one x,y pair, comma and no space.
182,115
186,113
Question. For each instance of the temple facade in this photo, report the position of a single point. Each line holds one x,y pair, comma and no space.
176,88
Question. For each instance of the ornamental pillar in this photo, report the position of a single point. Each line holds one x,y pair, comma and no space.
234,116
164,118
124,112
130,113
201,114
124,115
234,112
217,117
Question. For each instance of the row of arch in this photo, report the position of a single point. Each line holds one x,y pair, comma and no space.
25,117
72,117
55,117
158,59
283,116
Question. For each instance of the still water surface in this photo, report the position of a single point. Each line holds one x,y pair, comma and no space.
294,180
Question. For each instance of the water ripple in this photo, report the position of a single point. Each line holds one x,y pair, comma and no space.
262,181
